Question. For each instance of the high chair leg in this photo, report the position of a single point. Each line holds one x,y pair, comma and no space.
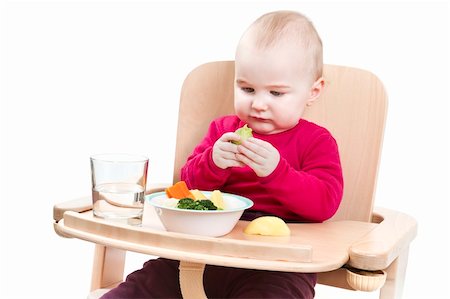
393,287
109,264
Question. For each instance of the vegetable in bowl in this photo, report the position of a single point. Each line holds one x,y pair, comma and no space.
190,204
213,223
194,199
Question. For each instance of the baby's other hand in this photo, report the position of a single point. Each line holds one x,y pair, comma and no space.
224,152
259,155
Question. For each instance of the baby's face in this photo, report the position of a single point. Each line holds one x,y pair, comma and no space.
271,87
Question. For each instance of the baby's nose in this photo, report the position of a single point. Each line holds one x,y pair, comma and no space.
259,103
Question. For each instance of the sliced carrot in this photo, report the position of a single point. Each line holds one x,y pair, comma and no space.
179,190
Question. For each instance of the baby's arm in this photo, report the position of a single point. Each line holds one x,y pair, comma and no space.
314,191
207,167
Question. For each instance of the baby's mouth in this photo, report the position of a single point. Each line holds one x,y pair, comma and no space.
259,119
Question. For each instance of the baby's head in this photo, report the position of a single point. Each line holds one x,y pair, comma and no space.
278,71
276,29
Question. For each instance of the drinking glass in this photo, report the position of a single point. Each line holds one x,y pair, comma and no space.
118,186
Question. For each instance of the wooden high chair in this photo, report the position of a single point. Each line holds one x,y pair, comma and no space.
353,107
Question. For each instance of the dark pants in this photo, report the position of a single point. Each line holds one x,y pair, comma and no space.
159,279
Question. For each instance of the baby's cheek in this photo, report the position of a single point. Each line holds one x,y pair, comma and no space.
239,109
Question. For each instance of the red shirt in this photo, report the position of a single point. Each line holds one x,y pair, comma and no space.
306,185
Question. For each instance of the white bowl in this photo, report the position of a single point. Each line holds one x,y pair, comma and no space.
213,223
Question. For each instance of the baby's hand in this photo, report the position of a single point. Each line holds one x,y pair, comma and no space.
224,152
259,155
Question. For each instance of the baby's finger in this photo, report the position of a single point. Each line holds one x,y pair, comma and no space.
245,160
251,153
248,154
229,136
257,146
232,162
228,155
228,147
236,163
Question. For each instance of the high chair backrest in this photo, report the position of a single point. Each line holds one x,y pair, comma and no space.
352,107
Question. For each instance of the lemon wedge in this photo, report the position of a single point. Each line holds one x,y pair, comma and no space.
268,226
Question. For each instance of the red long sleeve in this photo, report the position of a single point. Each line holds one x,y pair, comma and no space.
307,184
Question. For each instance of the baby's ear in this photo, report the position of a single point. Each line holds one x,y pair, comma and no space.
316,90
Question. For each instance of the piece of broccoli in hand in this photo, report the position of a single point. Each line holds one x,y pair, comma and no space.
245,132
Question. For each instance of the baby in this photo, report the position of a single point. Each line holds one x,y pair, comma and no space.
290,168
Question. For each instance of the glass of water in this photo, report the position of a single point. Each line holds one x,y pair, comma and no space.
118,186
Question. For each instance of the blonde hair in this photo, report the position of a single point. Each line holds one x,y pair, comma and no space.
292,26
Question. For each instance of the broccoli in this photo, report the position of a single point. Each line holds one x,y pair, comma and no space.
207,204
245,132
190,204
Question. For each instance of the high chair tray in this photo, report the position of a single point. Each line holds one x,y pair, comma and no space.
312,247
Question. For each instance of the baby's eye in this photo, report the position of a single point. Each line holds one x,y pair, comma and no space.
247,89
276,93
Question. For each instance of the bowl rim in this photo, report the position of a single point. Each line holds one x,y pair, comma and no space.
248,203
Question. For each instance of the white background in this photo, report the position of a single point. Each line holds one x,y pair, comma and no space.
85,77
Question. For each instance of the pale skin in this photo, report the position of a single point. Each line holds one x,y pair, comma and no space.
271,93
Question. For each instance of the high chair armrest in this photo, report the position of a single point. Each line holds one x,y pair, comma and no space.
381,246
84,203
79,205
